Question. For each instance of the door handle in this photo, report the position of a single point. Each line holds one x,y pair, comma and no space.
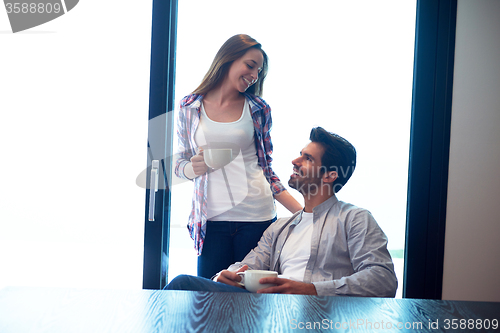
153,188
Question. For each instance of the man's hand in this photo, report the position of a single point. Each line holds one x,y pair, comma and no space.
286,286
231,278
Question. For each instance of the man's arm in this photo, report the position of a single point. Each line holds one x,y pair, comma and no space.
258,258
374,270
286,286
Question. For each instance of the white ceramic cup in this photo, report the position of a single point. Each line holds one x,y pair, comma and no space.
250,279
217,158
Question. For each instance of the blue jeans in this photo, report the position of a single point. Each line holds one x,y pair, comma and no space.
196,283
228,242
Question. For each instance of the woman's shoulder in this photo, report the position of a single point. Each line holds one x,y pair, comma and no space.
190,100
257,101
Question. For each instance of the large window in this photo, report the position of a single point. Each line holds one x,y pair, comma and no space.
73,135
343,66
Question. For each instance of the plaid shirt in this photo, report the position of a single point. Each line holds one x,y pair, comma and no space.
187,123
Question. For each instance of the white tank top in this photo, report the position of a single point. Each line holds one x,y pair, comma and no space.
246,196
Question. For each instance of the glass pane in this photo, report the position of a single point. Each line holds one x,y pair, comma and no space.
73,136
345,66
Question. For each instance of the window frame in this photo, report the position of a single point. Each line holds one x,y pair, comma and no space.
429,148
161,103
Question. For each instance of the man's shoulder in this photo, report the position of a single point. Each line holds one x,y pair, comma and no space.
283,221
346,206
349,211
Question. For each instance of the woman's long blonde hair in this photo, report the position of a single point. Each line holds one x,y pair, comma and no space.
233,49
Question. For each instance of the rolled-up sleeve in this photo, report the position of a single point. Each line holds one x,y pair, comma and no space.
184,150
263,124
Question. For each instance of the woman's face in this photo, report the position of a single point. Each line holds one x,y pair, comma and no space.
245,71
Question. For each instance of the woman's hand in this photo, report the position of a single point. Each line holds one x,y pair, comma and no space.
198,163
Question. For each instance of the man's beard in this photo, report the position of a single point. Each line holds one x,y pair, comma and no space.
308,186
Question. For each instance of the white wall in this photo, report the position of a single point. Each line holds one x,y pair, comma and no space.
472,244
74,97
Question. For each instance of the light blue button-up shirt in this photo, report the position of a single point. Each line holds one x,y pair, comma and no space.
349,253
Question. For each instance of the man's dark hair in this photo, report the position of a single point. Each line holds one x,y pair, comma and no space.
339,155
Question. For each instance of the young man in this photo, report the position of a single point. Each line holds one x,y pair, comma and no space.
330,248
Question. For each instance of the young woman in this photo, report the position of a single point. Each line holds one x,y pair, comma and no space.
233,205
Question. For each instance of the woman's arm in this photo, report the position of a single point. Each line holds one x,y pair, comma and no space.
289,202
184,152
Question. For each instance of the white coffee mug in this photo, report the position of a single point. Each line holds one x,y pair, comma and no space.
217,158
250,279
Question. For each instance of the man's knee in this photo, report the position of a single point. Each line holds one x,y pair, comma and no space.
180,282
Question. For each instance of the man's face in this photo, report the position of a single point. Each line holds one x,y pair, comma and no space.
307,174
